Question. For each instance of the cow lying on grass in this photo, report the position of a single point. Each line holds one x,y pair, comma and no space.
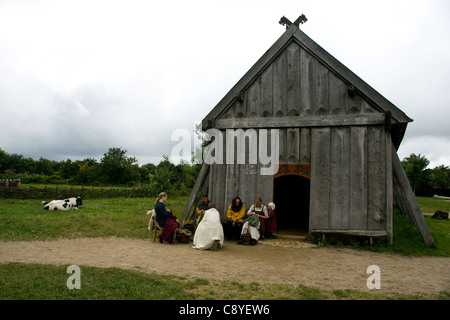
66,204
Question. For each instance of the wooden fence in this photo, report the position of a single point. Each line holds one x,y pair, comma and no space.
10,183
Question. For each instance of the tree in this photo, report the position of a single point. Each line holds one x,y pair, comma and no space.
161,177
414,166
440,177
116,167
2,160
87,171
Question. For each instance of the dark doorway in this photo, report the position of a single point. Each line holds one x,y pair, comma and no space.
291,198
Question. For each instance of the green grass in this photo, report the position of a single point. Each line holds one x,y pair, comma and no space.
431,205
47,282
407,239
125,217
22,219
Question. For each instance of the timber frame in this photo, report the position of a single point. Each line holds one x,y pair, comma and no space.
329,120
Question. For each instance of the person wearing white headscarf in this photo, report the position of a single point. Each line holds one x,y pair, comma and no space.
209,232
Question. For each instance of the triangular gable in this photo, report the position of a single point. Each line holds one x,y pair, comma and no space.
293,33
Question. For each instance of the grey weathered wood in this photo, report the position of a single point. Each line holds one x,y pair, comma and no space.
376,211
340,188
354,232
307,87
358,180
266,92
337,94
253,100
322,90
389,189
283,144
302,122
406,200
364,90
280,85
305,146
320,177
293,144
293,79
192,196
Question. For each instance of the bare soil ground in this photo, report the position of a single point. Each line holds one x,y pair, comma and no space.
271,261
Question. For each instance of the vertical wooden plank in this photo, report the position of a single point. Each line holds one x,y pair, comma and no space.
376,215
307,86
320,179
240,108
353,104
358,213
293,81
244,183
322,90
266,92
211,186
195,189
389,188
406,200
305,146
280,85
253,99
220,172
283,145
293,144
366,107
219,191
229,113
337,94
340,188
265,182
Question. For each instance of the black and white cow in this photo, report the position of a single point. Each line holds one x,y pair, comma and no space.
66,204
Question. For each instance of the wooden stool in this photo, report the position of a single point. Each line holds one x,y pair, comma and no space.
153,225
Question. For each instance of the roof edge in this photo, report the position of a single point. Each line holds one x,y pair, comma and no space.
334,65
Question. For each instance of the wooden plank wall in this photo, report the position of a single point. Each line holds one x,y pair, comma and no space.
296,84
350,188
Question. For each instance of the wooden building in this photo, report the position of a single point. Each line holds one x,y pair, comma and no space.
337,143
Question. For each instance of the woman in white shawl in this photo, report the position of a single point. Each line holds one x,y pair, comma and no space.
209,232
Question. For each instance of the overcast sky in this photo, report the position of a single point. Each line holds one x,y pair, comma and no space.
78,77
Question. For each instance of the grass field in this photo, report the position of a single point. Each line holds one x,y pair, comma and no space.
125,217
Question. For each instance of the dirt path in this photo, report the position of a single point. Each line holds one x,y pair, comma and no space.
293,262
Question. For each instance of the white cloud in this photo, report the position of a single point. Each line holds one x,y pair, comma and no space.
100,74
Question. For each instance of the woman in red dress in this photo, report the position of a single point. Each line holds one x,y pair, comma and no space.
165,219
271,227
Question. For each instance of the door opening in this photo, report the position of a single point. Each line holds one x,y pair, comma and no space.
291,198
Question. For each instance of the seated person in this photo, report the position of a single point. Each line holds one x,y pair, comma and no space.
209,233
165,219
235,217
260,210
271,219
201,207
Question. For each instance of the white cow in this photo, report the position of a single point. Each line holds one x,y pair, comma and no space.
66,204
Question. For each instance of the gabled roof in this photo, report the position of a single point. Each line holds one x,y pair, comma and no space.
293,33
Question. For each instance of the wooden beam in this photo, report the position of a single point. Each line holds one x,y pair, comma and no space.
364,233
301,122
406,200
192,196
